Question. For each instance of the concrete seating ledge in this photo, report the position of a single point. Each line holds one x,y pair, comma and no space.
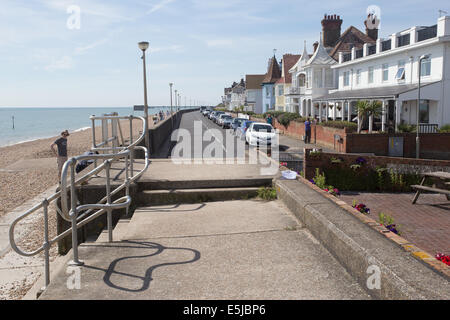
363,246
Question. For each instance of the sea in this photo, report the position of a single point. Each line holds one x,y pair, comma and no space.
20,124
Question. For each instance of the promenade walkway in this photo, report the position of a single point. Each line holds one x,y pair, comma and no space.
236,249
219,250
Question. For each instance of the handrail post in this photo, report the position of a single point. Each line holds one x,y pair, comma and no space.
132,148
94,145
108,200
46,245
127,182
73,198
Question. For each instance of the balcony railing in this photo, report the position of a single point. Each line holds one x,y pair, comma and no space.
296,90
359,53
386,45
371,49
427,33
403,40
347,57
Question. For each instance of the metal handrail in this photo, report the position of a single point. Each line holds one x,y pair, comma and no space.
80,215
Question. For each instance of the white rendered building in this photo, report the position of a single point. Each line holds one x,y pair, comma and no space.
388,71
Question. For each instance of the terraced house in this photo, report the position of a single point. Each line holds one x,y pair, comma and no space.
388,71
268,85
313,76
284,84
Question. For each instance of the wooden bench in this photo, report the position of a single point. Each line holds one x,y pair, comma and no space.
436,175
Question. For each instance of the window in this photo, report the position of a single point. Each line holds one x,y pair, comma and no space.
346,79
358,77
385,72
318,78
370,75
329,78
301,80
308,78
425,68
267,92
424,111
400,71
280,90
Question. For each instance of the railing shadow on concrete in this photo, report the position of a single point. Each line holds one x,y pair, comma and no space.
147,277
80,215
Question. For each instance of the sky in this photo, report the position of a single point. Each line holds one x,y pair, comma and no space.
84,53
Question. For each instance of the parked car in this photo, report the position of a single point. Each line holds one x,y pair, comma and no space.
221,117
259,133
202,109
226,122
240,132
206,112
217,115
236,123
212,114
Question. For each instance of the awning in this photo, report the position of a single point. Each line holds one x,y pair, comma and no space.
388,92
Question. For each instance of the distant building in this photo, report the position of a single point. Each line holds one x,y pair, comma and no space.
268,85
234,96
253,92
284,83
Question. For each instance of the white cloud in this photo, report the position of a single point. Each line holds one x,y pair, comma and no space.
219,43
64,63
159,6
162,49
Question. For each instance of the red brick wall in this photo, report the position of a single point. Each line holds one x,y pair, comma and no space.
432,146
323,160
323,136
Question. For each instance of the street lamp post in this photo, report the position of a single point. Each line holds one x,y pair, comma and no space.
424,57
144,46
171,112
176,101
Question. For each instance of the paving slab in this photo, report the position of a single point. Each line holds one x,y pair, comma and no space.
208,219
230,250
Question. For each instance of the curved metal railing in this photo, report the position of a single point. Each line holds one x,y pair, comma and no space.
80,215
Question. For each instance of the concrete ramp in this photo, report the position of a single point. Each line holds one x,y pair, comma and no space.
222,250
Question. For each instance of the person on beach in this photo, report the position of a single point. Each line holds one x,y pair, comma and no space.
269,119
307,131
61,143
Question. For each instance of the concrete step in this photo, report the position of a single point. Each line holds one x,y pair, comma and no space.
119,231
147,184
176,196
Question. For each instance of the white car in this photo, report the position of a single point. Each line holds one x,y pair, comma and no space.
259,133
219,120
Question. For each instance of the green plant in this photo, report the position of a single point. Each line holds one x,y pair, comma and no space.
406,128
385,219
336,160
267,193
445,129
319,179
285,118
340,125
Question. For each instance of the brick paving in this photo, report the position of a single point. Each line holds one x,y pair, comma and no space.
426,224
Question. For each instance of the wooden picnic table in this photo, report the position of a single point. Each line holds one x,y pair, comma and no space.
440,185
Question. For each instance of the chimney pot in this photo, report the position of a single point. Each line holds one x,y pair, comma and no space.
331,29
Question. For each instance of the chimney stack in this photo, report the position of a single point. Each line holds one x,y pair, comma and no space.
372,24
331,28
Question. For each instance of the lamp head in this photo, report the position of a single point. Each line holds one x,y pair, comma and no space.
425,56
143,45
